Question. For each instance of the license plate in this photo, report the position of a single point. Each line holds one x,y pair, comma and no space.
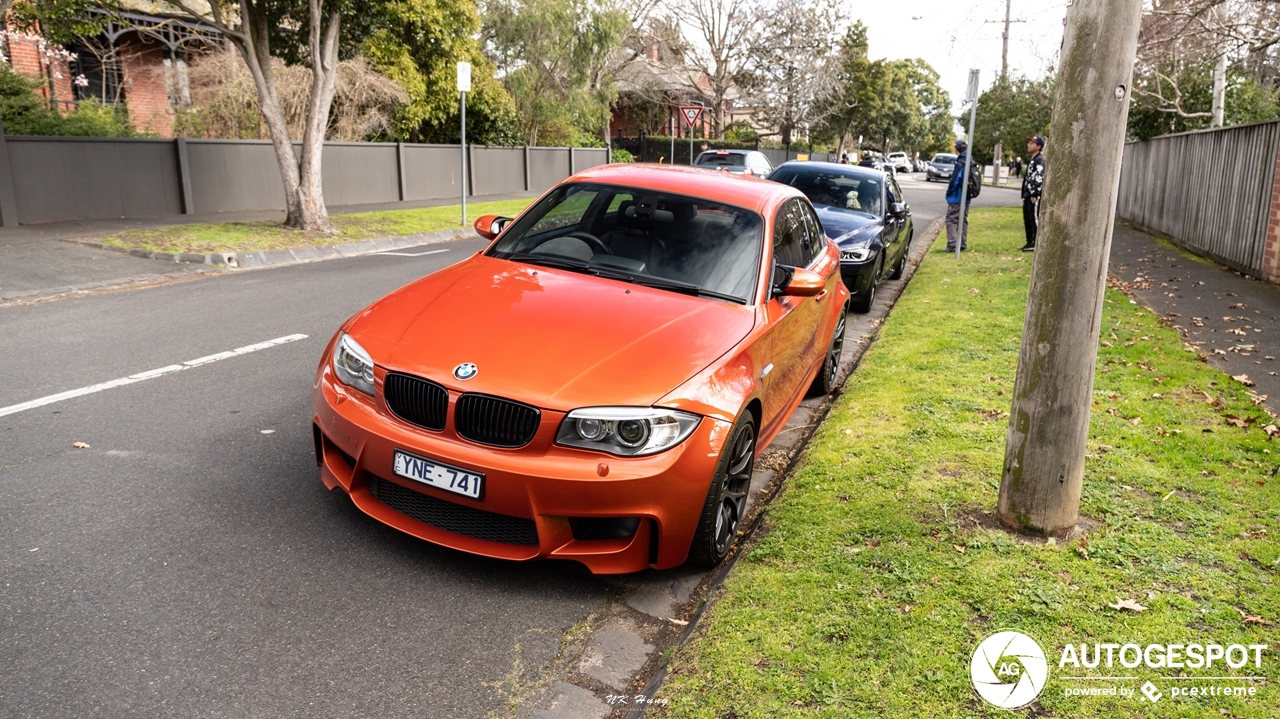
438,475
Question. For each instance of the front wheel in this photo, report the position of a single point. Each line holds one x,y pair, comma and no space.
901,267
726,498
863,304
830,371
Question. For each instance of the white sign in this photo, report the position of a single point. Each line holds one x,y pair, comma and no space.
972,94
691,113
464,77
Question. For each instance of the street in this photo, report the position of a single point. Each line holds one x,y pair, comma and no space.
189,562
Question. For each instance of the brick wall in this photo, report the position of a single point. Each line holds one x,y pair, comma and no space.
144,89
28,59
1271,255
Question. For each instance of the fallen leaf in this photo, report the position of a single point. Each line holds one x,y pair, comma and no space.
1157,395
1129,604
1255,619
1242,379
958,548
681,622
1135,421
1271,430
80,445
1236,421
1237,306
974,290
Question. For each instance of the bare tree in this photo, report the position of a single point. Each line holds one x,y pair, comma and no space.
724,33
793,67
248,25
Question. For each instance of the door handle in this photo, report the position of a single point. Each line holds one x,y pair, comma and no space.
820,296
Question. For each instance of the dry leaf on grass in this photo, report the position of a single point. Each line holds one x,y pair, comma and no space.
1127,604
1242,379
80,445
958,548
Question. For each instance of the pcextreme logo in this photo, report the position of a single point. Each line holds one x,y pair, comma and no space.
1009,669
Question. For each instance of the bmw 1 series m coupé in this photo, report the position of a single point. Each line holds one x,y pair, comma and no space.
596,384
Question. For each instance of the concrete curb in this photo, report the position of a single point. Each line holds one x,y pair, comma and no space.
27,296
277,258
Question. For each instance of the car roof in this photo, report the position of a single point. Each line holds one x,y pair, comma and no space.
748,192
850,170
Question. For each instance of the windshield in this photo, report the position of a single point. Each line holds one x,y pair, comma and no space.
711,159
849,192
944,157
648,237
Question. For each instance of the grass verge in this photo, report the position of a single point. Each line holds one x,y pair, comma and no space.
258,236
882,568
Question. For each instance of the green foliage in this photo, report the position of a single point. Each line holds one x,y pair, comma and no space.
25,112
1246,101
740,131
881,566
1010,111
419,45
60,21
892,104
555,56
620,155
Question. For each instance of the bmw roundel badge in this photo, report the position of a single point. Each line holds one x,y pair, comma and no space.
465,371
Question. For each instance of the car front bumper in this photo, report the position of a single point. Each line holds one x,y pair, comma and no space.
658,498
935,174
858,276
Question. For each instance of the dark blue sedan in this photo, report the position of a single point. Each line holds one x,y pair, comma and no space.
863,211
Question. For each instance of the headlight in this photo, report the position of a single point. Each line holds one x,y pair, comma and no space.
626,431
353,365
857,254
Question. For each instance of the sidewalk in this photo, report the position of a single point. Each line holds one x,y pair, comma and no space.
36,262
1231,320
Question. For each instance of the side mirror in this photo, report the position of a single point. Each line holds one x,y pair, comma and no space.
489,226
897,209
805,283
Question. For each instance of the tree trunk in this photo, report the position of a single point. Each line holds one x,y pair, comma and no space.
323,43
254,46
1049,421
1219,90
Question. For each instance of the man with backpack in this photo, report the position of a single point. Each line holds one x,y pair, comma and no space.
1032,186
955,190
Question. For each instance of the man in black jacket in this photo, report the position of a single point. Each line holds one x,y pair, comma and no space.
1032,185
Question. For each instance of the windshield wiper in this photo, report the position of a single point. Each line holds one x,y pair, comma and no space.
685,287
569,263
564,263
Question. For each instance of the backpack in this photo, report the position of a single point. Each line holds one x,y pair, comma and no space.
975,179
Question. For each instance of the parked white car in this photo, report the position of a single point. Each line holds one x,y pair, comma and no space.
900,161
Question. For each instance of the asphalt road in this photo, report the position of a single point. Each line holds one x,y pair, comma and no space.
188,562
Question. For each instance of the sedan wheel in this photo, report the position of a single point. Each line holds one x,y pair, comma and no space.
864,304
901,267
830,372
727,497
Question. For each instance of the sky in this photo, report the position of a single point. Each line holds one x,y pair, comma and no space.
956,36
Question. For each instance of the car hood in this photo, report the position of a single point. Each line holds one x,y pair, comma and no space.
551,338
840,225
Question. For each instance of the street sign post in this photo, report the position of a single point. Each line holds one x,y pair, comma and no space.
464,86
691,114
971,96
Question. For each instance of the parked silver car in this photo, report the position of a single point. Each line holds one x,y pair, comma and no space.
738,162
940,167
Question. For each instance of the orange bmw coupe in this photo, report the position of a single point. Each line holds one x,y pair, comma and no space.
596,384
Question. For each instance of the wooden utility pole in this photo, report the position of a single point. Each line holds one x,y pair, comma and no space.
1004,55
1049,420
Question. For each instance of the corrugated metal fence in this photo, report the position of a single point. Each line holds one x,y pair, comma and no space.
1208,190
79,178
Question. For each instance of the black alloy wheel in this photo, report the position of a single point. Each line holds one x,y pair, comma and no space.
901,267
726,498
863,305
830,371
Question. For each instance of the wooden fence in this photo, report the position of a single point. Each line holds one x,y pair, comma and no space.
1210,190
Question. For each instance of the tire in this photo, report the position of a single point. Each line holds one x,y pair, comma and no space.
901,267
825,381
726,498
863,305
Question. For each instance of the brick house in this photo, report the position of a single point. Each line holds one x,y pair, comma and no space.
139,61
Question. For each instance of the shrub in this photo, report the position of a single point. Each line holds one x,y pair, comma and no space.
620,155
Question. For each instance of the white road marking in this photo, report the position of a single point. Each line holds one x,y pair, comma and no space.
149,374
412,254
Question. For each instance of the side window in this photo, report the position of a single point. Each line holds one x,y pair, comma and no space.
789,236
617,201
817,239
567,213
895,193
